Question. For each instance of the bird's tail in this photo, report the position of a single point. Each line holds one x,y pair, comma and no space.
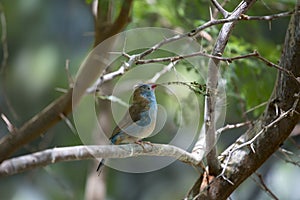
100,166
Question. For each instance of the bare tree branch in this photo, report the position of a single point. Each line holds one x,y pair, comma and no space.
244,161
232,126
288,157
36,125
138,58
212,78
163,71
50,115
212,85
220,8
9,125
3,38
229,60
51,156
264,187
112,75
229,153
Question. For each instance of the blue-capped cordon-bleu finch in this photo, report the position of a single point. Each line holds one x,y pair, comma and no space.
139,121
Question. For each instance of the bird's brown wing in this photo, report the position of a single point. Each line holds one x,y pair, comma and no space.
132,115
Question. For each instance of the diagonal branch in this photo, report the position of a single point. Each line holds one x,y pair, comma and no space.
250,142
36,125
220,8
264,187
50,115
244,161
138,58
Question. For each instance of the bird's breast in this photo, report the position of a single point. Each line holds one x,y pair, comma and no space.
148,122
145,125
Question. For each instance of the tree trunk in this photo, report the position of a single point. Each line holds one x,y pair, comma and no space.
271,129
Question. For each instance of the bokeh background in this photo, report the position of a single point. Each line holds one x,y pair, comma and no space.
42,35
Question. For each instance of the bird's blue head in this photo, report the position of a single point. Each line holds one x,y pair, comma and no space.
146,91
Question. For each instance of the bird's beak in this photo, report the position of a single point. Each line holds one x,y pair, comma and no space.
153,86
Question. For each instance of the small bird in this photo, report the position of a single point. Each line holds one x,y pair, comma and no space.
139,121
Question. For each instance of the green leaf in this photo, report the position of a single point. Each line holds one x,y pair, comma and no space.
88,1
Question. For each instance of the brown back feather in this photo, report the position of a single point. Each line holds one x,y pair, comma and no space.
139,105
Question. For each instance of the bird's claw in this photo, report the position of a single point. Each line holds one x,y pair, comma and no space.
142,143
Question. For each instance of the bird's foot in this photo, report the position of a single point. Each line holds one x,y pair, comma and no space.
142,143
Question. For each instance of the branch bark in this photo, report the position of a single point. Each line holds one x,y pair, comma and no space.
285,97
51,156
36,126
49,116
104,27
212,85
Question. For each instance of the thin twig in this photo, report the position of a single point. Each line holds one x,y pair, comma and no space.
225,59
69,76
112,75
199,53
270,64
264,186
232,126
3,39
11,128
68,123
137,59
287,154
250,142
5,55
256,107
215,12
209,24
268,17
166,69
193,86
294,142
114,99
61,90
220,8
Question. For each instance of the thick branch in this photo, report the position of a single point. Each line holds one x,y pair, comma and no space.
212,85
50,156
36,125
104,27
285,97
49,116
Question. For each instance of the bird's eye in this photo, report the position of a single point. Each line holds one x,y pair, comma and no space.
148,88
